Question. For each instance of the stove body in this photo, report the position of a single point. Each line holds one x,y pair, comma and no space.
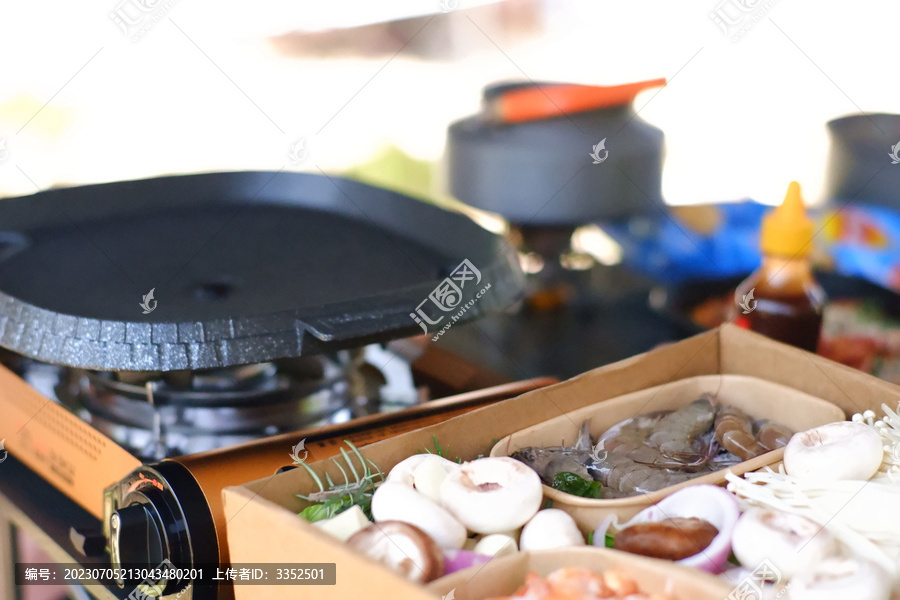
130,417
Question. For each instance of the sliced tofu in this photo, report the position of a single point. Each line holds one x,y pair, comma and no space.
345,524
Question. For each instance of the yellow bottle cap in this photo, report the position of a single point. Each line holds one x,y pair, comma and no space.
787,231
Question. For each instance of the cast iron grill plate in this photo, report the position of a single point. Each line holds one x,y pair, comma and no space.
246,267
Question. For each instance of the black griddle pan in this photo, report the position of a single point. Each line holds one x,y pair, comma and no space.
245,267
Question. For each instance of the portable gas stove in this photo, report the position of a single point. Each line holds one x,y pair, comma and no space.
273,301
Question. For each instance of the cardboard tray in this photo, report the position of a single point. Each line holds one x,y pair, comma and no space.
262,522
757,397
504,576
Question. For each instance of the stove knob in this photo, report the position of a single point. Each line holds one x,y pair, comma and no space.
89,542
135,538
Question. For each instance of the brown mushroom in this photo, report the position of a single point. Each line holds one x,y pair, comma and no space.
404,548
671,539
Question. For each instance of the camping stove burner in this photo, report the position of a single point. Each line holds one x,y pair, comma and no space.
556,270
163,414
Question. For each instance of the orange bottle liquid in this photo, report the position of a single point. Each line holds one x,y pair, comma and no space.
782,299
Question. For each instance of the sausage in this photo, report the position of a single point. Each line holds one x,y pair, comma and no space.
670,539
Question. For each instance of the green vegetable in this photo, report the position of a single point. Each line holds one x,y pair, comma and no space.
339,497
317,512
608,540
571,483
437,448
443,452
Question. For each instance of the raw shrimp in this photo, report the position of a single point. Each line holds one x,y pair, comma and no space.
549,461
637,464
772,435
734,432
632,433
626,477
631,438
675,433
656,450
666,439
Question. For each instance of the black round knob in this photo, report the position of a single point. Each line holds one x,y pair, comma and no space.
89,542
136,538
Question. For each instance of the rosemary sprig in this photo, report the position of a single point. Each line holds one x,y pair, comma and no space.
332,498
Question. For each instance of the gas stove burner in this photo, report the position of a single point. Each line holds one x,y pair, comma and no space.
159,415
156,415
556,269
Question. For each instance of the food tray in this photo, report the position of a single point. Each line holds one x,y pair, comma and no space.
262,521
757,397
502,576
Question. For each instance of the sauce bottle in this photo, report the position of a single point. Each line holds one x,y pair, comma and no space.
782,299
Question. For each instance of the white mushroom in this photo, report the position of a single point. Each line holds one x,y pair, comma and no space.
403,470
839,578
394,501
429,474
790,542
844,450
492,495
550,528
496,544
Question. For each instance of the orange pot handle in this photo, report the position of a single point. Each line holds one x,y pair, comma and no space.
531,103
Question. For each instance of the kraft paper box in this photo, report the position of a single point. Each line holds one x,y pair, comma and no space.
263,526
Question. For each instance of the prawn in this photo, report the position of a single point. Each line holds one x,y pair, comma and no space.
734,432
547,462
626,477
665,439
772,435
676,432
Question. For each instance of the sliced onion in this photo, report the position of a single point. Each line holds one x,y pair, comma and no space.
602,527
457,560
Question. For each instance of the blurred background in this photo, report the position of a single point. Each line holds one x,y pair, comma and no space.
124,89
744,97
